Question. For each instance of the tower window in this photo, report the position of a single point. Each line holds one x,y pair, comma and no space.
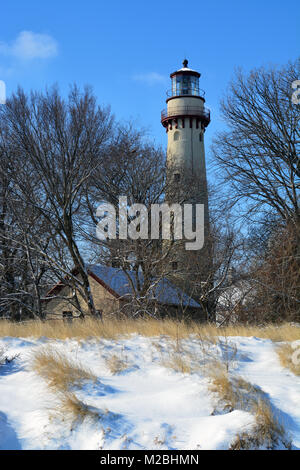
176,135
176,177
201,137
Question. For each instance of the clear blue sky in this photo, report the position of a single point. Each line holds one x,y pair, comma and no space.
127,49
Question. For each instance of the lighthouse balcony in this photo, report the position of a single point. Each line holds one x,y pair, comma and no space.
200,113
176,91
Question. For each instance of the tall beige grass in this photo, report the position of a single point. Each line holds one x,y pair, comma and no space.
267,433
178,363
234,393
113,328
71,410
62,375
116,364
60,372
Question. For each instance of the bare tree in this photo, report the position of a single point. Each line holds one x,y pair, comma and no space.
258,155
64,142
258,158
134,168
275,273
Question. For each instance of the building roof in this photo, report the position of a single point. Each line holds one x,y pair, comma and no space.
119,283
186,70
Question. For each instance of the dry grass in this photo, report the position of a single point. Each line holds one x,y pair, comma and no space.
232,390
221,385
286,356
235,392
267,433
176,355
62,375
268,428
178,363
116,364
111,329
59,371
72,410
211,360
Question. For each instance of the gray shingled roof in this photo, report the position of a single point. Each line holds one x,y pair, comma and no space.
164,292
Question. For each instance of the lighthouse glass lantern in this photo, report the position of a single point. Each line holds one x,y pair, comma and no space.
185,81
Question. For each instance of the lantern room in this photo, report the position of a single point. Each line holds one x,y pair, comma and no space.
185,100
185,81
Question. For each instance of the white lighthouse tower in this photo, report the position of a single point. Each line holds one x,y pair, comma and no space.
185,120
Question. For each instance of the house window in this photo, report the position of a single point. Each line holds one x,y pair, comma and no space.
67,315
176,177
174,265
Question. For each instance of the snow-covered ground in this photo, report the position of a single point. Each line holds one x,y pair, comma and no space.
146,406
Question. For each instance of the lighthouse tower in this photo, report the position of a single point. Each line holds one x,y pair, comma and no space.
185,120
